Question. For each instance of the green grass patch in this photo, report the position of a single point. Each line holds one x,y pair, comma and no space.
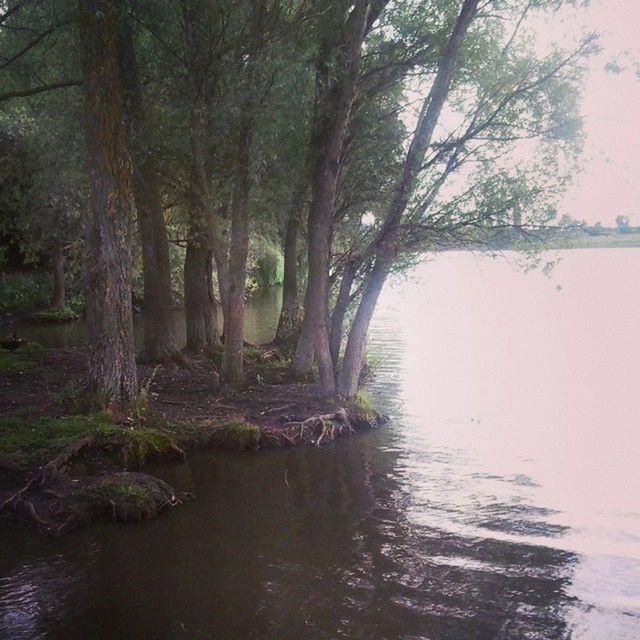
236,436
252,354
28,443
12,361
144,444
55,314
115,491
362,403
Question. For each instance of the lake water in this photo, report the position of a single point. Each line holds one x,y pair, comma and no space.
502,501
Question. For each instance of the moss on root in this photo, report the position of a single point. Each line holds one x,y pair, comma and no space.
64,504
236,436
145,444
27,443
115,490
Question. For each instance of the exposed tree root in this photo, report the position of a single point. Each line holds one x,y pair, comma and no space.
54,502
163,355
318,429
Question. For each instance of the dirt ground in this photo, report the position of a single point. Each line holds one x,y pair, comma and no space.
52,378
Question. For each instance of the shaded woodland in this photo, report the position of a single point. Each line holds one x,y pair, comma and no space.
188,145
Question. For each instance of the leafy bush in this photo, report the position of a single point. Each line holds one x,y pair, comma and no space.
23,291
266,264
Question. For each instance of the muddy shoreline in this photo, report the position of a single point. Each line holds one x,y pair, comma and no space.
64,465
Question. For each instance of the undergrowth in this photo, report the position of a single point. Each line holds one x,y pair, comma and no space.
55,314
28,442
11,361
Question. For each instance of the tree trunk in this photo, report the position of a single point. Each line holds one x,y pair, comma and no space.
238,251
59,299
199,303
331,117
111,371
340,310
221,259
386,242
232,370
290,311
159,325
201,82
356,342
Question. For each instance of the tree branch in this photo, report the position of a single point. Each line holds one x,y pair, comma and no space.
32,91
32,44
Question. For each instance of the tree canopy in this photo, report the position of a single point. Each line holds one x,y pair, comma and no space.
325,143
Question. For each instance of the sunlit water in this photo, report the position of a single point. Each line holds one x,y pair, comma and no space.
502,502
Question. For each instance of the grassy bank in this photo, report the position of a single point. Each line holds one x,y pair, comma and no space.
62,466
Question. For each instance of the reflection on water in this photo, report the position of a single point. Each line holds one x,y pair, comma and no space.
502,501
296,544
261,319
517,419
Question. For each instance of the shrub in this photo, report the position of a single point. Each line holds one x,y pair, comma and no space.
267,264
23,291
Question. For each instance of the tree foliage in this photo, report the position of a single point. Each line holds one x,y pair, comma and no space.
257,113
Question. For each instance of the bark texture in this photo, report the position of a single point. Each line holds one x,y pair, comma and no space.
333,109
232,370
111,371
387,240
290,311
199,303
59,298
159,325
340,309
205,228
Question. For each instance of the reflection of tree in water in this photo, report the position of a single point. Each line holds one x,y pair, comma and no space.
308,543
359,569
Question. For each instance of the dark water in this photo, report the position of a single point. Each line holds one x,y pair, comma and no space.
501,502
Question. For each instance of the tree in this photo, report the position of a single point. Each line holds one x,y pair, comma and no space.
204,240
243,117
514,100
290,311
341,36
159,324
111,373
387,238
622,223
232,369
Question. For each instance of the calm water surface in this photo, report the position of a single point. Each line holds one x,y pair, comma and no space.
260,322
503,501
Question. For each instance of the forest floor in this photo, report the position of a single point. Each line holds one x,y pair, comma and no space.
63,463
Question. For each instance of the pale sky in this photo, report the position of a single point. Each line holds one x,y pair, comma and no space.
610,184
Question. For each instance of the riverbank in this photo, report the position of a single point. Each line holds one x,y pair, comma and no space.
63,464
